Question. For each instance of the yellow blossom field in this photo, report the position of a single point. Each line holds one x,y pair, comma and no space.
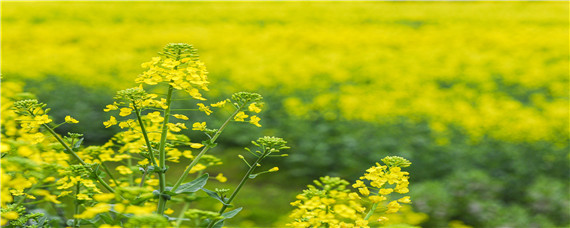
474,94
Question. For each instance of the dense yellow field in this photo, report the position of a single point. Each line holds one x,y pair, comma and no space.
499,69
490,79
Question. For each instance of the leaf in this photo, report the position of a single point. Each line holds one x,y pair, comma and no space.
232,213
192,186
215,196
227,215
251,176
78,144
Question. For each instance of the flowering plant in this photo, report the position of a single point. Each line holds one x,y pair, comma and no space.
126,182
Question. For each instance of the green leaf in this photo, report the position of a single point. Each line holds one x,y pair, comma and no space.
227,215
232,213
215,196
192,186
251,176
78,143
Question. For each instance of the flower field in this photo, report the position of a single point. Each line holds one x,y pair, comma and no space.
474,94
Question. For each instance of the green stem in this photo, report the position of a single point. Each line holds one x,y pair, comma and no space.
181,216
110,175
145,135
372,209
162,153
131,176
70,151
76,209
238,188
143,177
204,150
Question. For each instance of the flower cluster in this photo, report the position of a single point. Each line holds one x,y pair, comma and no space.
179,66
329,203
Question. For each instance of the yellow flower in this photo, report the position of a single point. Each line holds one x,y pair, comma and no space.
179,116
112,121
240,116
168,211
109,226
69,119
91,212
125,112
110,107
255,121
43,119
393,207
104,197
204,109
274,169
358,184
82,196
219,104
11,215
253,108
176,127
155,117
199,126
364,191
376,199
124,170
405,199
196,145
220,177
385,191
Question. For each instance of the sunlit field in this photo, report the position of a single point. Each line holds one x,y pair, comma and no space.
474,94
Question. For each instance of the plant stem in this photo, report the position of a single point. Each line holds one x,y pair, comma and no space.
181,216
110,175
70,151
145,135
372,209
162,153
238,188
204,150
76,209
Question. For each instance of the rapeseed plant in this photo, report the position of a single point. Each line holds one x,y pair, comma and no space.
123,182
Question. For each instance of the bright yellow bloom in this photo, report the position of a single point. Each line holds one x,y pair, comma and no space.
104,197
240,116
82,196
219,104
253,108
393,207
155,117
168,211
69,119
204,109
196,145
124,170
385,191
255,121
220,177
10,215
274,169
364,191
109,226
110,107
125,112
199,126
91,212
43,119
112,121
405,199
376,199
179,116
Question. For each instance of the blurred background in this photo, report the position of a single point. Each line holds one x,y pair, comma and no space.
475,94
